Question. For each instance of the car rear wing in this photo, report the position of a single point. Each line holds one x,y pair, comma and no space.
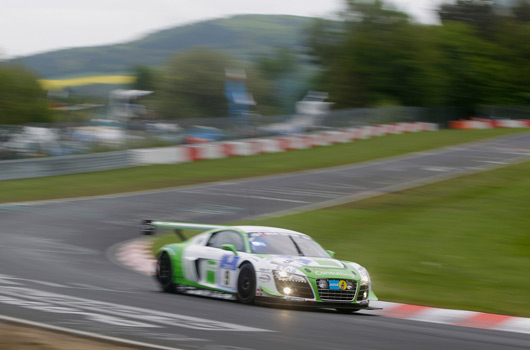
149,226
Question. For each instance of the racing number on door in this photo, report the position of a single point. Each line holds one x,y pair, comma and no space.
227,267
227,278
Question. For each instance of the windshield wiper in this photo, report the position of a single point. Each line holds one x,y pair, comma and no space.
297,247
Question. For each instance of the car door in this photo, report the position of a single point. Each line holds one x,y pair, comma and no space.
216,267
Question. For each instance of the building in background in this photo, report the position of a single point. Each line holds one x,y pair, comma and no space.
239,99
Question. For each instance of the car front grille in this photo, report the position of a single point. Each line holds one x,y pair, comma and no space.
362,290
299,289
336,294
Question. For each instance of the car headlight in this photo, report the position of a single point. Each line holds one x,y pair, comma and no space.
285,276
365,276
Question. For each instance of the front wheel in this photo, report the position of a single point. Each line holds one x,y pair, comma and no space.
164,273
246,284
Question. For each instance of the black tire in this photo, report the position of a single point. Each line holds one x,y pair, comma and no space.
246,284
164,273
346,311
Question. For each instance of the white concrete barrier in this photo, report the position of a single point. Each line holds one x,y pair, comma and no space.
190,153
162,155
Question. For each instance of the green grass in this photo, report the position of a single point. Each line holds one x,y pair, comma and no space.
162,176
168,238
462,243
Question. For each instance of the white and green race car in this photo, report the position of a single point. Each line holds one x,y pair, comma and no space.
257,263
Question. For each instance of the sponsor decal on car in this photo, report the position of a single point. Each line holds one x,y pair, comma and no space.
333,273
264,278
229,262
338,285
226,270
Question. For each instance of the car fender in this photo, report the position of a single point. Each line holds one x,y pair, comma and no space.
175,254
265,285
242,259
371,294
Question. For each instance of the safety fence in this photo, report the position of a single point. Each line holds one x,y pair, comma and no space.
31,168
62,165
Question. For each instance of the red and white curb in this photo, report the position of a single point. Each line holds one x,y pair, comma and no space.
478,123
137,255
453,317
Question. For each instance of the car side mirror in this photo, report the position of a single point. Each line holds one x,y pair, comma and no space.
230,248
331,253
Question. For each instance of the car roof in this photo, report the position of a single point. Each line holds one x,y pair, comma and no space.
249,229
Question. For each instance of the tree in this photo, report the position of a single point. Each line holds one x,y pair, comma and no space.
262,89
281,62
479,14
323,38
192,85
477,69
22,100
522,11
497,67
373,12
381,59
513,40
145,78
281,70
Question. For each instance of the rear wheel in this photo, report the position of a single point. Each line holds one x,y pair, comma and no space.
164,273
246,284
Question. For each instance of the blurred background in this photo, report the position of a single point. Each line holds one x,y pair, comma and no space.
220,76
82,83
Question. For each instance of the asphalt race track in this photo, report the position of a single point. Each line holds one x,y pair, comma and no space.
56,263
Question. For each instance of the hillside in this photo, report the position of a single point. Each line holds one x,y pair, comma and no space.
242,36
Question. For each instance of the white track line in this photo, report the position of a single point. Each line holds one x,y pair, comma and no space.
85,334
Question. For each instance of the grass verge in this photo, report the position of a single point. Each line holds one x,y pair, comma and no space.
163,176
462,243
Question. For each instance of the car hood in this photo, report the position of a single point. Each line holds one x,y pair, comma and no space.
314,267
304,261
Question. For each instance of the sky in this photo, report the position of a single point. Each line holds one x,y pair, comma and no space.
35,26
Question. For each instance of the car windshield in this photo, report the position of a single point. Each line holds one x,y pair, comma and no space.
285,244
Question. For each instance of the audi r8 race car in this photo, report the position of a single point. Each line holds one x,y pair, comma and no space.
257,263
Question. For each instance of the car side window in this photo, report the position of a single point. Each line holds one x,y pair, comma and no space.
227,237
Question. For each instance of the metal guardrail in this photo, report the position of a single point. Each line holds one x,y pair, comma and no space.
51,166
